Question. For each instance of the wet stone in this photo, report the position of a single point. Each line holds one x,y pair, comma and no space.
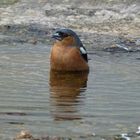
24,135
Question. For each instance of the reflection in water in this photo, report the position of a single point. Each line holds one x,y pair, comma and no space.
65,95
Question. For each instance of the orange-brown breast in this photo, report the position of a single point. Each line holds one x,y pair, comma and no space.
66,58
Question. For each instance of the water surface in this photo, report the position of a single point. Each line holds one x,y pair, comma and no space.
104,101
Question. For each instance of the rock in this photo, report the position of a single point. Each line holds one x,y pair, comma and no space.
24,135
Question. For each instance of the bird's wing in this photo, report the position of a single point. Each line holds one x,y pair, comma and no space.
83,53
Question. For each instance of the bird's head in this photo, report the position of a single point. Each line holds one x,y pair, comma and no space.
68,37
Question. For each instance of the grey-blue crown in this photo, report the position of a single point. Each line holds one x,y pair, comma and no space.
71,33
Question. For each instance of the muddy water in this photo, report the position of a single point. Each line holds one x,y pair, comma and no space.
103,103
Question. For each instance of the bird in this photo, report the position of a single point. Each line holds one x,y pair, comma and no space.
68,52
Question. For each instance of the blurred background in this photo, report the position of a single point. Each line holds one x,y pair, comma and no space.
117,18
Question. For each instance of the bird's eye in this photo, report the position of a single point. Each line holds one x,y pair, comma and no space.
63,34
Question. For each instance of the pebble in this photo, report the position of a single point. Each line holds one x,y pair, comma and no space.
138,132
23,135
125,136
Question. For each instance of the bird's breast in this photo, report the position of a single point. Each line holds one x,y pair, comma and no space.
67,59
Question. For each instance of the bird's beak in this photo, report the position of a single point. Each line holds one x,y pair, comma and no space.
57,36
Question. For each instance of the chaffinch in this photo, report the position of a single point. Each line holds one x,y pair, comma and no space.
68,52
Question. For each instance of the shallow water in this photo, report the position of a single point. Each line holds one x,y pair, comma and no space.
104,101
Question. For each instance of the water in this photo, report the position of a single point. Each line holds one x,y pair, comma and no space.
104,101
